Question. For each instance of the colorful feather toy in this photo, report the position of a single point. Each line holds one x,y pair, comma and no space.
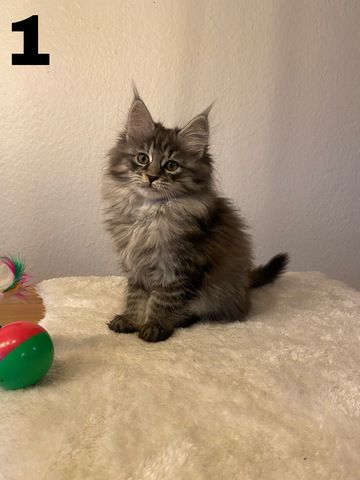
13,277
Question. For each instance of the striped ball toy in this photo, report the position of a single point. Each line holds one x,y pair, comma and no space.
26,354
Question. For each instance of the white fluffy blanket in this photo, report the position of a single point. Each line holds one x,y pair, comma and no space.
274,398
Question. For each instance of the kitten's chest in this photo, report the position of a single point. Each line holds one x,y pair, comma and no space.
149,253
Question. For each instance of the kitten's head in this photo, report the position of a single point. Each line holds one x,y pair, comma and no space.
162,163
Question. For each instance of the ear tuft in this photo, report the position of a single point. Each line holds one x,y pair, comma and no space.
139,124
135,90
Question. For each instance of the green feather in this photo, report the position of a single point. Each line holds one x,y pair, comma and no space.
19,266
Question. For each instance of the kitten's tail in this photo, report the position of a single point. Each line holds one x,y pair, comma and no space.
268,273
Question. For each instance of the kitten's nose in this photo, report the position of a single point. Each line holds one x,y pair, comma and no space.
152,178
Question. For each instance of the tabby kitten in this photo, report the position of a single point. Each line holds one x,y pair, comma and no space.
183,248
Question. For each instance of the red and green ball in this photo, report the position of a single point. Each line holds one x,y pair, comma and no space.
26,354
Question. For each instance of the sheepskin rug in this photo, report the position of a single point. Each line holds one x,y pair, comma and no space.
274,398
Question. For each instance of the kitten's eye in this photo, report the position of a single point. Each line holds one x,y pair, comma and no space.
142,158
171,166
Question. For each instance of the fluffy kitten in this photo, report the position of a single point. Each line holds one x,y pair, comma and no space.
184,249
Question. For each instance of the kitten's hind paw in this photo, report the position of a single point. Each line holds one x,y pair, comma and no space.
154,333
121,324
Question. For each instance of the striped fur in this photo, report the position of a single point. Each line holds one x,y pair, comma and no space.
185,250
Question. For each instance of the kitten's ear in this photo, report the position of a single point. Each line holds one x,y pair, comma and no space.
195,135
139,123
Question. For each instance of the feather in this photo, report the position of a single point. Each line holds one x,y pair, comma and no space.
17,266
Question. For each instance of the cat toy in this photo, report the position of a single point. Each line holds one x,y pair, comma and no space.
26,349
13,277
26,354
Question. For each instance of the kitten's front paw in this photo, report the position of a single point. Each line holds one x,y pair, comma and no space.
121,324
154,333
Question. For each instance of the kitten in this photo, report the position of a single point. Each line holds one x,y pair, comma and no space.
184,249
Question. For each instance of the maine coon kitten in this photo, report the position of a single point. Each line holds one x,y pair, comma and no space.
184,249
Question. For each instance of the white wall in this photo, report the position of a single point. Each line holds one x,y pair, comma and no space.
286,123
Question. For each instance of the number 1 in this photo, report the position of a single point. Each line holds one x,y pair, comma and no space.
31,55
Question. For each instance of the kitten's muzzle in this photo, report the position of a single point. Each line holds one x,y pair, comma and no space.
152,178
